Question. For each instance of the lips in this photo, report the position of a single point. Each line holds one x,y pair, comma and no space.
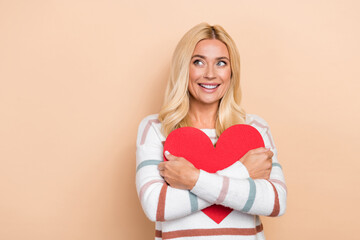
209,86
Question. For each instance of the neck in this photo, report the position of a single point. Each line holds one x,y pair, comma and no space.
202,115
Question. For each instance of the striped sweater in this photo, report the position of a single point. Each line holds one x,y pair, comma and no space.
177,213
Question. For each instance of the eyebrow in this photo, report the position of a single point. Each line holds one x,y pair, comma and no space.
203,57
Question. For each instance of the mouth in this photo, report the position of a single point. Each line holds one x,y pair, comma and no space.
209,86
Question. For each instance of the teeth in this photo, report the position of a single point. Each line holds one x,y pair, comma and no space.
209,86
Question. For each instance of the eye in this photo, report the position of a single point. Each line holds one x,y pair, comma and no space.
221,63
198,62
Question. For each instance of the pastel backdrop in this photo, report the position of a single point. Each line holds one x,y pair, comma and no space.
76,78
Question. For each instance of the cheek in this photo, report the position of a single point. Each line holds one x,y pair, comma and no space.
194,73
226,75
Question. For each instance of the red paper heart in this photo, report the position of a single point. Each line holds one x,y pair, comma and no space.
195,146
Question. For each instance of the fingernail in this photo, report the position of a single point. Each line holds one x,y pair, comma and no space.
167,152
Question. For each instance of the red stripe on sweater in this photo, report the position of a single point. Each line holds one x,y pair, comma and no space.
259,228
146,130
158,233
212,232
279,182
276,209
267,130
146,186
160,212
224,190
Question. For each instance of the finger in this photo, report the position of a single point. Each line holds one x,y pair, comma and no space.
267,175
263,156
270,154
169,156
161,166
259,150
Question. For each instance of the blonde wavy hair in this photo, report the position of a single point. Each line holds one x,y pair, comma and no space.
174,112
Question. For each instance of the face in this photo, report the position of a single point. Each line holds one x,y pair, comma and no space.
209,72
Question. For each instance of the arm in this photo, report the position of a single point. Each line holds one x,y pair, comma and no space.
257,197
159,201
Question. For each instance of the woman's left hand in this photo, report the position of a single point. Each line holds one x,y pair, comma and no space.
179,172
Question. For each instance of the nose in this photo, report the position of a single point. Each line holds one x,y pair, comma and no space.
209,72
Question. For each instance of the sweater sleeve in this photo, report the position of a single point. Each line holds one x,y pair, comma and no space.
159,201
252,196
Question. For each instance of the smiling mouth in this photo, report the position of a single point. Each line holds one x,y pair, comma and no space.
209,86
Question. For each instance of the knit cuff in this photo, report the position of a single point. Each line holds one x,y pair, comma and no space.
208,186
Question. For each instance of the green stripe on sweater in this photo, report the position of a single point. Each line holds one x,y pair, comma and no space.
276,165
193,202
147,163
252,194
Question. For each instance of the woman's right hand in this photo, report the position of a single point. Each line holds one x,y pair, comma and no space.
258,162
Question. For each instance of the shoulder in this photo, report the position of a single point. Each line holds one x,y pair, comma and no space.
256,121
263,127
149,129
253,118
150,119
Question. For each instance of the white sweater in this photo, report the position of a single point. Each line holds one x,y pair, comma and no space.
177,212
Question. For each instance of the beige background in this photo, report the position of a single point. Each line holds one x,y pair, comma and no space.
78,76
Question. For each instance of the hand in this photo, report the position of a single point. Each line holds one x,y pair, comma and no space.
178,172
258,162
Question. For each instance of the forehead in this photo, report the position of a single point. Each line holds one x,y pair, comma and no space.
211,48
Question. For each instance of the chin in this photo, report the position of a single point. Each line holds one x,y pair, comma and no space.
210,102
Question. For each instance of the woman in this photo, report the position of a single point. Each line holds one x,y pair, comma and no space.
204,92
